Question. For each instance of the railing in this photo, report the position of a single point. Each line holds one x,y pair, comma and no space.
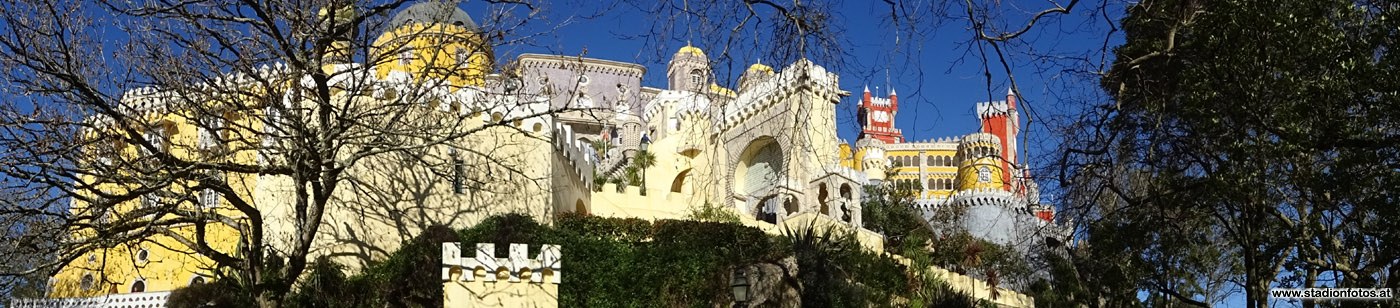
127,300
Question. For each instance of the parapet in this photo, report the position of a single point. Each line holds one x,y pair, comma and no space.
516,263
993,109
576,153
988,197
774,90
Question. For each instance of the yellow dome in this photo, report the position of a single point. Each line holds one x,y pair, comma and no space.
760,67
691,50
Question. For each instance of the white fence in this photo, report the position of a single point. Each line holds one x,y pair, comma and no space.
128,300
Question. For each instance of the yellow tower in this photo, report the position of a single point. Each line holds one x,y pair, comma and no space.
433,40
979,164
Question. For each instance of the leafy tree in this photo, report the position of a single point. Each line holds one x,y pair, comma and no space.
643,159
1248,144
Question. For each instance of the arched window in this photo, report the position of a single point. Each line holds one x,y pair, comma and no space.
464,56
931,161
696,77
138,286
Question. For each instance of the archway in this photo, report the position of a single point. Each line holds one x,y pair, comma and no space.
822,196
678,185
790,206
759,169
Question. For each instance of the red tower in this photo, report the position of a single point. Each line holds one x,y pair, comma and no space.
1001,119
877,117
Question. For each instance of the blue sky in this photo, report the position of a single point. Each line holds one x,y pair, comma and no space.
938,76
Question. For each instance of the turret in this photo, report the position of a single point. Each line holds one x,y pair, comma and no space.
755,74
689,70
877,118
1000,118
980,167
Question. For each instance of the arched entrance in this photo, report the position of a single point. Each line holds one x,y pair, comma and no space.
757,174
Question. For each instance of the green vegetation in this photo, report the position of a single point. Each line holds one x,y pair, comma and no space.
711,212
1245,145
629,263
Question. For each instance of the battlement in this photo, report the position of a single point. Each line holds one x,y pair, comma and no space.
982,140
516,264
988,197
993,109
874,153
878,101
684,102
945,143
930,203
846,172
777,89
575,153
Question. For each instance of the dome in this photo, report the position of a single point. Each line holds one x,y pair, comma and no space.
434,11
759,67
691,50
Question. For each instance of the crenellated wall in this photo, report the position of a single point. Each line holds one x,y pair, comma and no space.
485,280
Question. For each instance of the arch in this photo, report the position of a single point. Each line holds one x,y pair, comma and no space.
138,286
198,280
790,206
760,167
822,196
580,208
678,185
846,191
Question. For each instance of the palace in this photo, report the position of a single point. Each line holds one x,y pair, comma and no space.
554,134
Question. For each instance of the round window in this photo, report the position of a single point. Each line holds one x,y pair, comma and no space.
143,255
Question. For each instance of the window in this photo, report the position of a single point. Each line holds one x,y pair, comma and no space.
459,170
209,198
984,174
138,286
197,280
464,56
143,255
209,135
406,56
696,77
88,282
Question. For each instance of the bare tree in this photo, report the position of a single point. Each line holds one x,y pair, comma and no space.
187,121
